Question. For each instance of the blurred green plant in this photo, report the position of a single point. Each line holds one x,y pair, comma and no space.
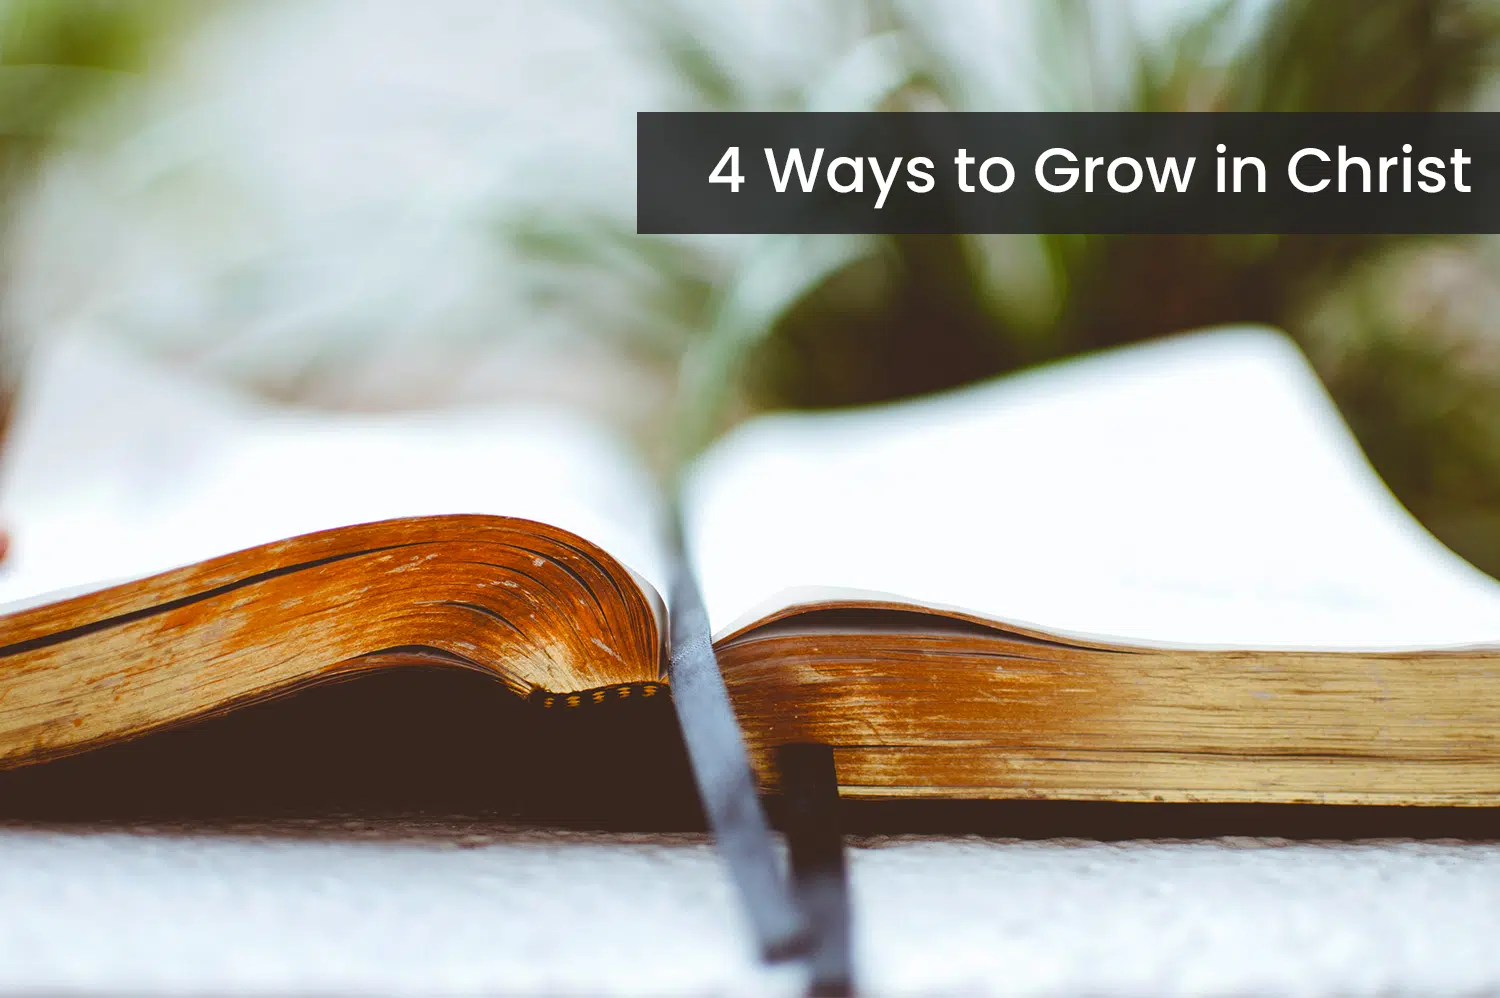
58,58
816,322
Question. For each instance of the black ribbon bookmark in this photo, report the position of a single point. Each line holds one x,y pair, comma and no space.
810,803
725,781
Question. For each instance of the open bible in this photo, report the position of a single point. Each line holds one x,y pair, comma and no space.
1162,573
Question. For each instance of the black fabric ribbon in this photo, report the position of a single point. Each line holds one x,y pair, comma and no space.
820,880
813,924
722,771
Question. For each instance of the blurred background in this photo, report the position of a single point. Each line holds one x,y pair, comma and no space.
375,204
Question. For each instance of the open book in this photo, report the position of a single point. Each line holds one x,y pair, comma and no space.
1161,573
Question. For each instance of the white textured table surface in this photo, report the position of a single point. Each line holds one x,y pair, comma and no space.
460,910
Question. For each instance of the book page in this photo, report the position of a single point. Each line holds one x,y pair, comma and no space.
1200,491
116,468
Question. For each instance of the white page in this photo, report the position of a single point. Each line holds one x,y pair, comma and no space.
117,468
1201,491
